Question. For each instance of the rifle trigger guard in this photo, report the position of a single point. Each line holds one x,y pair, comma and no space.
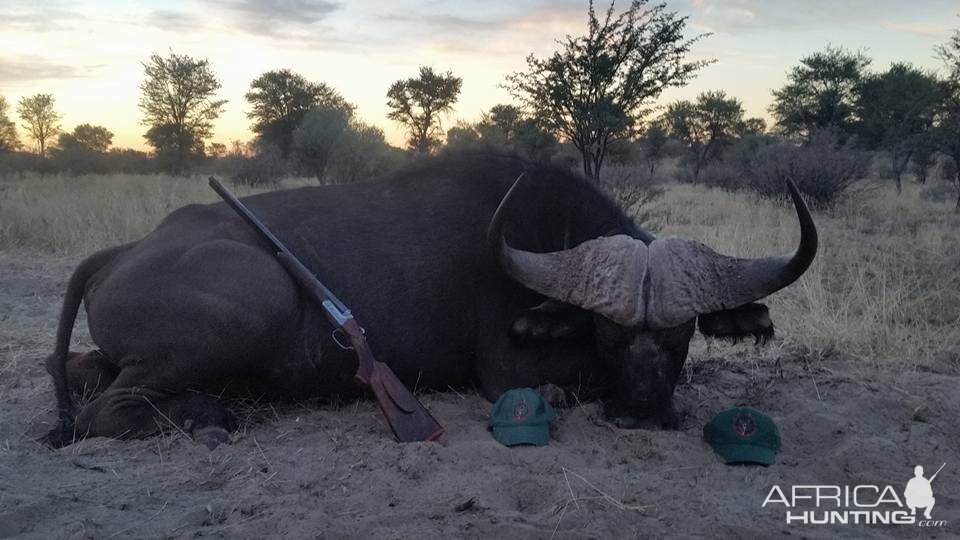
337,340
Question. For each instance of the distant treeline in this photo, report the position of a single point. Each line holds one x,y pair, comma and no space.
591,102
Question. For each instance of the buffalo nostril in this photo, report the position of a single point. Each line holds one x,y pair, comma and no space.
520,327
561,330
211,436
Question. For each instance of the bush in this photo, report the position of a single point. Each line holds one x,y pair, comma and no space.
525,138
264,168
362,153
738,164
823,170
77,161
315,139
130,161
942,191
634,191
623,152
948,170
723,174
946,188
533,142
924,160
18,163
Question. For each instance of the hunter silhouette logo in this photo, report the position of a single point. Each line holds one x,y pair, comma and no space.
918,492
864,504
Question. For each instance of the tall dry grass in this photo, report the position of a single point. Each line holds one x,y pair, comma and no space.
884,289
77,215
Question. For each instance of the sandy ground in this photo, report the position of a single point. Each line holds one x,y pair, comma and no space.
304,471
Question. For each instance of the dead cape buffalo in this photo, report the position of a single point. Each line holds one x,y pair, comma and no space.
457,277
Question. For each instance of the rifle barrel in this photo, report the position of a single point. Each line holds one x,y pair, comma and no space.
938,472
301,272
407,417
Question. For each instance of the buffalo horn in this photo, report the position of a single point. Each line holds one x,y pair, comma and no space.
660,286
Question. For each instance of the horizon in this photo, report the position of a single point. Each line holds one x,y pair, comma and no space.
89,54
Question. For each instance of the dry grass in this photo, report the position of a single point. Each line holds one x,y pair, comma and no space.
79,215
885,288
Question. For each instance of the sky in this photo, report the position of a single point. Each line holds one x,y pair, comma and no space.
88,54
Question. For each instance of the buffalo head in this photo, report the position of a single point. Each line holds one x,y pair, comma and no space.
644,299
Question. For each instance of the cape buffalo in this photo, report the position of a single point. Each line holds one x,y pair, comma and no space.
458,277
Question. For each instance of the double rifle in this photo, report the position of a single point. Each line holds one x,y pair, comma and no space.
407,417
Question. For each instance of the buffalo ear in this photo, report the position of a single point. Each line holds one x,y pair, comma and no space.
747,320
548,321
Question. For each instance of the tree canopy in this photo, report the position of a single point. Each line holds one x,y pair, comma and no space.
653,144
362,153
40,119
337,148
178,101
8,130
949,54
501,122
84,150
317,136
599,86
505,127
820,93
705,124
280,99
946,134
86,137
464,135
895,110
418,102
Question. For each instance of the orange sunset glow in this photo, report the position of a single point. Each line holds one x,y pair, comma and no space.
89,54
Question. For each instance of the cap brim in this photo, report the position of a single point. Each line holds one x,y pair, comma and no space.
744,453
536,434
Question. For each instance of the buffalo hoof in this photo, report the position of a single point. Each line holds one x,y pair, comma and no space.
627,422
61,435
633,422
211,436
555,396
666,419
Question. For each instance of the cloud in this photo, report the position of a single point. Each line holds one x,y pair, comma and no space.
174,21
918,28
256,14
493,30
35,68
50,18
744,15
294,23
291,23
446,22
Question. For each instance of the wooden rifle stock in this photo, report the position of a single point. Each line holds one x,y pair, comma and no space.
407,417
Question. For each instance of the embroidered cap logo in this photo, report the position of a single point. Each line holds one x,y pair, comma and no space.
744,425
521,410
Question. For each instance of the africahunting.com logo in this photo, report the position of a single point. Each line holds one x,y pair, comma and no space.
859,505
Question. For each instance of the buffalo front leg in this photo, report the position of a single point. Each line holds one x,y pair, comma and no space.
131,407
88,375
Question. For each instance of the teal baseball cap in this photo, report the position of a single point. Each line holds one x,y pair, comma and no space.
743,435
521,416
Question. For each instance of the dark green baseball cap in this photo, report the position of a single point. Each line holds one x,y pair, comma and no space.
743,435
521,416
